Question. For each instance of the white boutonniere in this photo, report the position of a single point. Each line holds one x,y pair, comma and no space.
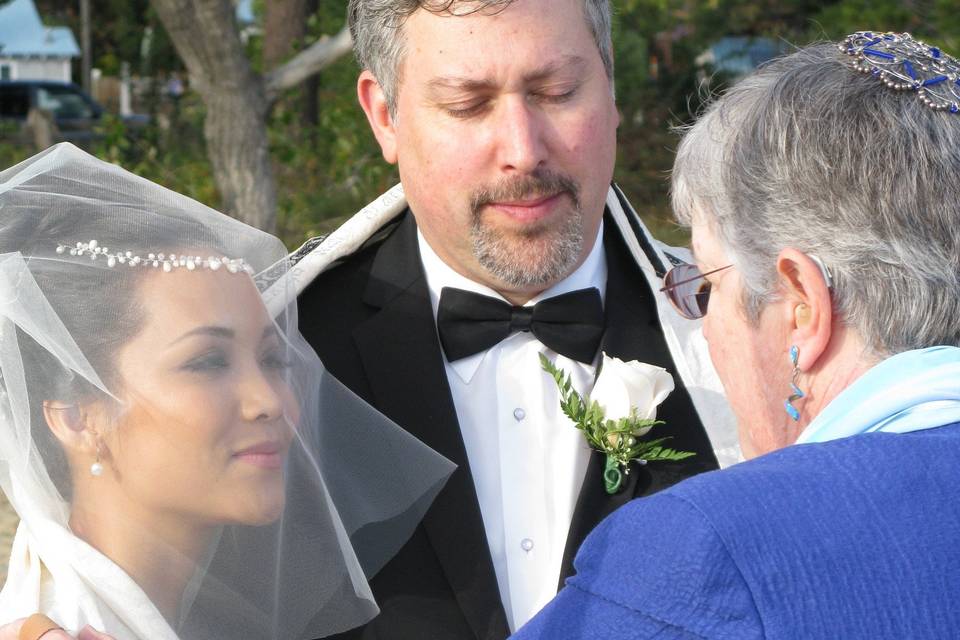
621,409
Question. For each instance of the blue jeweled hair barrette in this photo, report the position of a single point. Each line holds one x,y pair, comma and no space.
905,64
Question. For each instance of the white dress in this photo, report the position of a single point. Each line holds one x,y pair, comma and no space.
56,573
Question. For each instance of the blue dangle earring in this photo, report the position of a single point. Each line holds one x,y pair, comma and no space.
797,392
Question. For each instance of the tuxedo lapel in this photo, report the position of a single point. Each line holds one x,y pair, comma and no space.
633,333
401,357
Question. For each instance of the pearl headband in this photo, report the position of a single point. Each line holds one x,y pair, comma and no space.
167,262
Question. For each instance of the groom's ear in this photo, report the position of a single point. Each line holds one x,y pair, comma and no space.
808,303
374,104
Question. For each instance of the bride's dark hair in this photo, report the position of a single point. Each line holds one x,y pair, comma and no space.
98,305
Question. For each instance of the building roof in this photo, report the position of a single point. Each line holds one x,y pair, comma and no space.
22,34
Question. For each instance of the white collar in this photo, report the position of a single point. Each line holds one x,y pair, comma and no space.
592,273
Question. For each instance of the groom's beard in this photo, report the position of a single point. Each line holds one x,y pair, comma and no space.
540,255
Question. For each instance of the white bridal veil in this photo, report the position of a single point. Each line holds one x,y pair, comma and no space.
182,463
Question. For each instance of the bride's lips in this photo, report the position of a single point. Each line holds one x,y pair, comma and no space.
526,211
267,455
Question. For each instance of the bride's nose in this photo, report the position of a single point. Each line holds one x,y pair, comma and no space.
259,397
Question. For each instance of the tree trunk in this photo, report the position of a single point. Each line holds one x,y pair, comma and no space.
206,37
284,28
284,25
318,56
310,108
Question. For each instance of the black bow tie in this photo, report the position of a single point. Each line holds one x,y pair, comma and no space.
571,324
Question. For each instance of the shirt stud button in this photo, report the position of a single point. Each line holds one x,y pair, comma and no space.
526,544
519,414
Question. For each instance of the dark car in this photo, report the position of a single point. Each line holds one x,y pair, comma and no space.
75,113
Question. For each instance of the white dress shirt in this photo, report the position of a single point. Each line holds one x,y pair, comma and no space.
528,460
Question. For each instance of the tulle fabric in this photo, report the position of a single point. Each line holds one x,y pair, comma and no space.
354,484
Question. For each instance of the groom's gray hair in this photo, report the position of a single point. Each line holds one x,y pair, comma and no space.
811,154
379,45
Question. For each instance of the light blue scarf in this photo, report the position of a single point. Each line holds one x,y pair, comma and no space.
906,392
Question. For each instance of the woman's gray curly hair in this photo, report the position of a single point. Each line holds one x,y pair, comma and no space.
808,153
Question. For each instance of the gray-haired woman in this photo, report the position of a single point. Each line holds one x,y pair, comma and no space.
824,200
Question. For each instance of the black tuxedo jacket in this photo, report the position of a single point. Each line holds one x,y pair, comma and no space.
369,318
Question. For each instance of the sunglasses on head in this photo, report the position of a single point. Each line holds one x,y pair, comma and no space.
688,289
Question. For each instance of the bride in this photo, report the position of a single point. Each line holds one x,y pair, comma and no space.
182,464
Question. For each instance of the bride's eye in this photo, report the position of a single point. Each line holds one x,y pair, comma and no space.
210,361
274,360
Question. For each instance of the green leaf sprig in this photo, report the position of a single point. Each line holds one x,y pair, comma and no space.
615,438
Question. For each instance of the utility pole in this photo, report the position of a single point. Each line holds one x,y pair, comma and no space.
85,44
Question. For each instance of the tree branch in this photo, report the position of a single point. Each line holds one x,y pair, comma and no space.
311,60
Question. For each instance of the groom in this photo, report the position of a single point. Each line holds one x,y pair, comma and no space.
501,118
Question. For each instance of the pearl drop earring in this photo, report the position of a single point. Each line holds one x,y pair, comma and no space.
96,469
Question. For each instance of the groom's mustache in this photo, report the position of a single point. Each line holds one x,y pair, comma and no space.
542,183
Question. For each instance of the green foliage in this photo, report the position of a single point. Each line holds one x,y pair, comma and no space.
11,151
615,438
170,151
937,22
660,87
657,89
329,170
118,33
329,166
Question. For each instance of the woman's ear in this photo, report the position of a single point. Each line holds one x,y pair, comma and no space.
75,426
809,302
374,104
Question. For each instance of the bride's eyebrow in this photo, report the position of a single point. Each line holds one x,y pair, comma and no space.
213,331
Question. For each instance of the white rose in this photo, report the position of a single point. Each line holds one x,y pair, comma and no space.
622,386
